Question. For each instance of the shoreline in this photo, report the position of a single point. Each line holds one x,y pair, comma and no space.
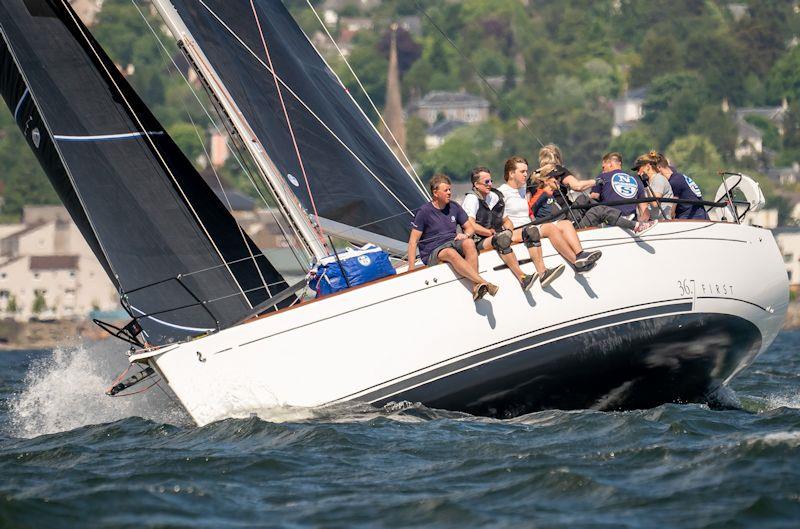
16,335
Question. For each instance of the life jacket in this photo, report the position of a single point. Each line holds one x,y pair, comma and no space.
491,218
532,200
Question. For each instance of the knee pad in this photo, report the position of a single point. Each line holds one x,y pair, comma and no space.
531,236
502,242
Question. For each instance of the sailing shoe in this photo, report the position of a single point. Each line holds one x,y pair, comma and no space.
642,227
550,275
586,258
527,281
478,291
586,268
492,289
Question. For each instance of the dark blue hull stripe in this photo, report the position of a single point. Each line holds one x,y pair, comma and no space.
525,343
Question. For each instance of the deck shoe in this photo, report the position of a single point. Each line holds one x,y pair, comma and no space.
479,290
550,275
642,227
586,268
527,281
492,289
586,258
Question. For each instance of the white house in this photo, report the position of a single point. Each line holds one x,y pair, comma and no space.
788,240
453,106
628,110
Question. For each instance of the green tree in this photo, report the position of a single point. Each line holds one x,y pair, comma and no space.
784,78
186,136
660,52
632,144
11,305
39,303
697,157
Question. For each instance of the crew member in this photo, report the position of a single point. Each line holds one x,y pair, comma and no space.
434,229
485,207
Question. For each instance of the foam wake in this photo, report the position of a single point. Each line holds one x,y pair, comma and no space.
66,390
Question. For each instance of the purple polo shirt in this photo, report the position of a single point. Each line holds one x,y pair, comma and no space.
686,188
438,226
619,185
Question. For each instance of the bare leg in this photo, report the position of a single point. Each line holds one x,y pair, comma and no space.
558,241
568,230
509,259
538,261
460,265
535,252
470,253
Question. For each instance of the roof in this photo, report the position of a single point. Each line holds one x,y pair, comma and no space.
749,131
439,99
26,230
54,262
444,127
636,93
774,114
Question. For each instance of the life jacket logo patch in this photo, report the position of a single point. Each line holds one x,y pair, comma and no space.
364,260
624,185
452,218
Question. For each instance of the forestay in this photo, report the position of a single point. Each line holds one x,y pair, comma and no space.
354,178
168,244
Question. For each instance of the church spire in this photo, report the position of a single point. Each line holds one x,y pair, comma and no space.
393,113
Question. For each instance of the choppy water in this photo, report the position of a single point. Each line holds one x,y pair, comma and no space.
72,457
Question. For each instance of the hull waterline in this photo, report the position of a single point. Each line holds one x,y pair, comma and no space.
666,318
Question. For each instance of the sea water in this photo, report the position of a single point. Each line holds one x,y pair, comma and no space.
72,457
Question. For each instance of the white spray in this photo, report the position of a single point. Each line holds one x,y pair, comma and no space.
66,390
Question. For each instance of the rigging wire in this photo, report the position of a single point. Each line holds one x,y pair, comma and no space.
147,137
229,141
320,231
417,180
230,207
498,98
305,105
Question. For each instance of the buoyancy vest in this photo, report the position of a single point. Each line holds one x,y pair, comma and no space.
491,218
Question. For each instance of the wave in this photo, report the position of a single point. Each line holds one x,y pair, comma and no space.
66,390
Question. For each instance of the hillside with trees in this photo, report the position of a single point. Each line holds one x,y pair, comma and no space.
554,69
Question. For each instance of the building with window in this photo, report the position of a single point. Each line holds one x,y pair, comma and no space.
451,106
47,271
788,240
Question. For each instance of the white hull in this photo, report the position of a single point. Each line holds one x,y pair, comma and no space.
668,317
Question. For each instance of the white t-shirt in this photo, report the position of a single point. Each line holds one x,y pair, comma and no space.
470,203
516,204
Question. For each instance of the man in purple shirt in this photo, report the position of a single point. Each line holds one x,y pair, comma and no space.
434,229
613,184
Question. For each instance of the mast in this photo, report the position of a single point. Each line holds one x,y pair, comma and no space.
288,204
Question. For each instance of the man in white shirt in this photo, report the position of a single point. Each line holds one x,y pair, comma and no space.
486,209
561,233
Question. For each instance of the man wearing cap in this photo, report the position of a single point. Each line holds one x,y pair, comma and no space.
613,185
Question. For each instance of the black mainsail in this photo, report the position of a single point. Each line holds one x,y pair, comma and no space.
355,180
170,247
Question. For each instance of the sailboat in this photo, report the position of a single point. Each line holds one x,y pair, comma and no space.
667,317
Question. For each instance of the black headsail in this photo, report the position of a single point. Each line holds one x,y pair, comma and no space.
354,178
168,244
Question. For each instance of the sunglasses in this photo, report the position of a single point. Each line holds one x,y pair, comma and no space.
487,182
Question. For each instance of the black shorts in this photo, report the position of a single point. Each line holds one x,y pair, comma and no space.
458,246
